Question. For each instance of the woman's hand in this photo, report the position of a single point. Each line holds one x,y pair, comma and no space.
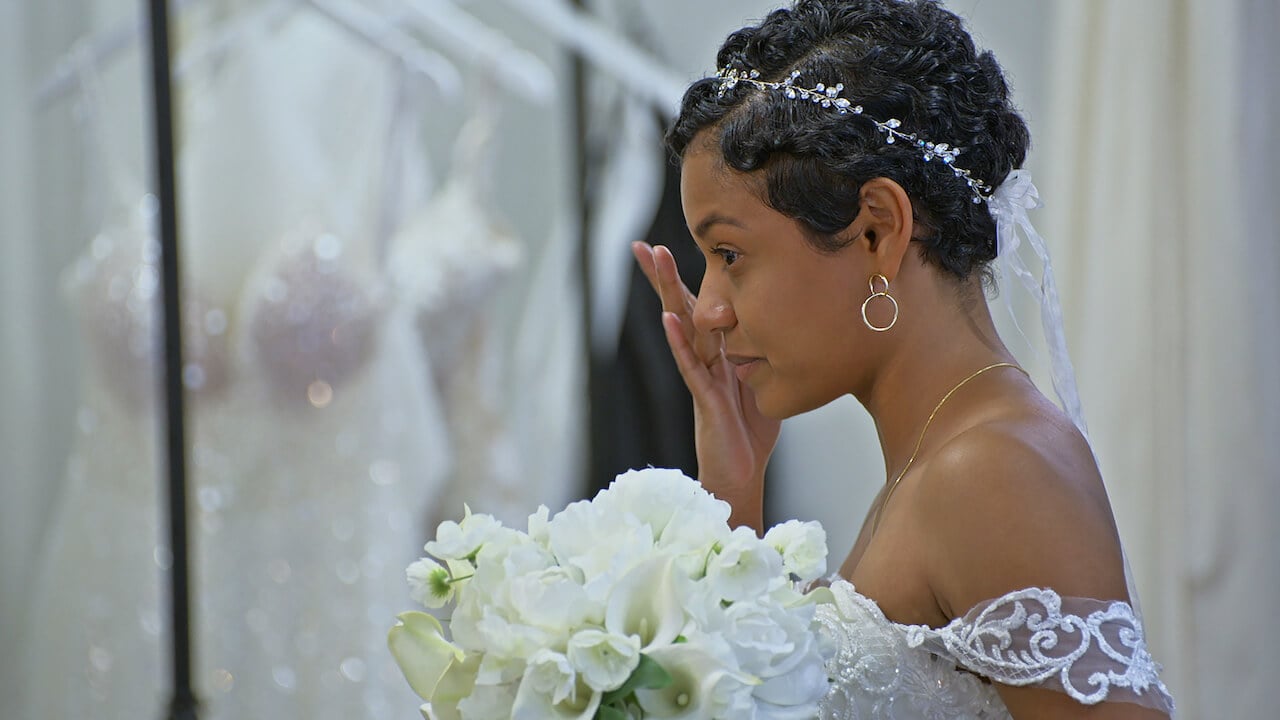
733,440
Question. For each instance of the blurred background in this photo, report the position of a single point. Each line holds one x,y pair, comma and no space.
406,285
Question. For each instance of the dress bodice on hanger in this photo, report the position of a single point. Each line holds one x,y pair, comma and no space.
281,277
1089,649
114,288
307,322
448,262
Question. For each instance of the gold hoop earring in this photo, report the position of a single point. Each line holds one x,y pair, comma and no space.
879,293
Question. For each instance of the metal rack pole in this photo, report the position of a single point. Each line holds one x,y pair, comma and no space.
183,704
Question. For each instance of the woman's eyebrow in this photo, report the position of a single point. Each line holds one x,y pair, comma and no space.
716,219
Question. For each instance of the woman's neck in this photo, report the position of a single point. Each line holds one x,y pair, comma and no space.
944,346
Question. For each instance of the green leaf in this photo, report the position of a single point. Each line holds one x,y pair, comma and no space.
648,675
610,713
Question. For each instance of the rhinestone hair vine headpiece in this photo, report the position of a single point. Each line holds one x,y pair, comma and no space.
829,97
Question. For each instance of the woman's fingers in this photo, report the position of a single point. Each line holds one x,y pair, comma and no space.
705,344
643,254
659,268
675,296
697,377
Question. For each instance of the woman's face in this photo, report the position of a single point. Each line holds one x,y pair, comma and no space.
788,314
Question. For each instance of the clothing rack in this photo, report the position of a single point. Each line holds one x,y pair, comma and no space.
369,27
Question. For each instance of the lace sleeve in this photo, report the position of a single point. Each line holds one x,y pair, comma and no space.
1092,650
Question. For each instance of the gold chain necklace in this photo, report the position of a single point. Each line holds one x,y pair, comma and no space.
875,523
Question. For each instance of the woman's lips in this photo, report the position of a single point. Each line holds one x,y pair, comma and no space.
744,365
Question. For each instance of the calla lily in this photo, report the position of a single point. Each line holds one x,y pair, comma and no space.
458,682
820,595
696,691
424,656
440,711
645,603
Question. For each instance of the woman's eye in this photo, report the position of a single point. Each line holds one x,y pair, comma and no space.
729,256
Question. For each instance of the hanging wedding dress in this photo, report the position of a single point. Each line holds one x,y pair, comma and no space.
316,446
320,470
449,262
94,632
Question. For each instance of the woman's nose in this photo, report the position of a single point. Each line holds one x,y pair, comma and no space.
712,312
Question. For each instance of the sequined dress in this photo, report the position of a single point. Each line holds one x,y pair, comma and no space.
1089,649
316,442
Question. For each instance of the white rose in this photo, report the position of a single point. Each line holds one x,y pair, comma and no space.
603,545
781,646
803,546
798,691
551,690
761,636
497,563
538,525
553,599
744,568
508,643
605,660
550,673
696,527
653,495
517,559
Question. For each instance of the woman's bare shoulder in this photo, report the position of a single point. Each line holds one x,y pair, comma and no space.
1013,502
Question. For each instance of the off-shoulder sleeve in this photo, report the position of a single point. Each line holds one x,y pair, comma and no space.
1092,650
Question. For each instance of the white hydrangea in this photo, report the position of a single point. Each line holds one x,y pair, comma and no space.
604,659
456,541
744,567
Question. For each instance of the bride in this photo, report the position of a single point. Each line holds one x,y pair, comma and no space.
851,177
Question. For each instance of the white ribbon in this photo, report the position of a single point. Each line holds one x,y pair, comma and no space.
1009,205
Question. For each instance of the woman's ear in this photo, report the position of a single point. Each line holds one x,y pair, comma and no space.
887,224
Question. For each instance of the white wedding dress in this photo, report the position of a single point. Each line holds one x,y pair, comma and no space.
1089,649
317,446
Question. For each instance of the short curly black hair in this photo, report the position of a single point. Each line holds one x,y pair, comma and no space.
905,59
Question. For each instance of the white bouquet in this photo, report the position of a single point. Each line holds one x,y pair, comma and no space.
641,603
